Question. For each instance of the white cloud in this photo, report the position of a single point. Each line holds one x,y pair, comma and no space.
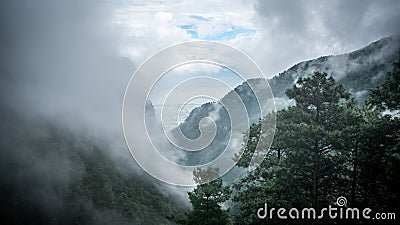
152,26
197,68
282,32
275,34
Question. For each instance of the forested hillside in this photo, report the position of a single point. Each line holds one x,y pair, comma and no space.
326,148
357,71
50,176
327,145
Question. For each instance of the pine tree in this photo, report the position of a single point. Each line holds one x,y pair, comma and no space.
311,130
380,162
326,146
307,159
387,95
206,200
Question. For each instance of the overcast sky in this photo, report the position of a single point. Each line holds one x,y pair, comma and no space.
276,34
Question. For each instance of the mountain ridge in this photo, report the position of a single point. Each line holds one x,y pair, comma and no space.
375,60
357,71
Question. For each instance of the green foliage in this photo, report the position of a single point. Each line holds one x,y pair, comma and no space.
70,181
386,96
310,131
206,200
325,146
259,138
247,152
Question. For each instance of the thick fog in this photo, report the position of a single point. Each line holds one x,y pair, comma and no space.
61,64
61,71
66,64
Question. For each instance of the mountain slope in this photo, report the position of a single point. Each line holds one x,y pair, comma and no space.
50,176
357,71
191,126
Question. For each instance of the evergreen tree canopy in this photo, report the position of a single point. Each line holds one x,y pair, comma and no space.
387,95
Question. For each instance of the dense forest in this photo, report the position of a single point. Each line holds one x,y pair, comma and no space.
50,176
326,146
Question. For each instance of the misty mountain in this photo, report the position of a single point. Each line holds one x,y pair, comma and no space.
217,112
52,176
357,71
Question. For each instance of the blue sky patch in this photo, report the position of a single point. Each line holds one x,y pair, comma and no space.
190,30
229,35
